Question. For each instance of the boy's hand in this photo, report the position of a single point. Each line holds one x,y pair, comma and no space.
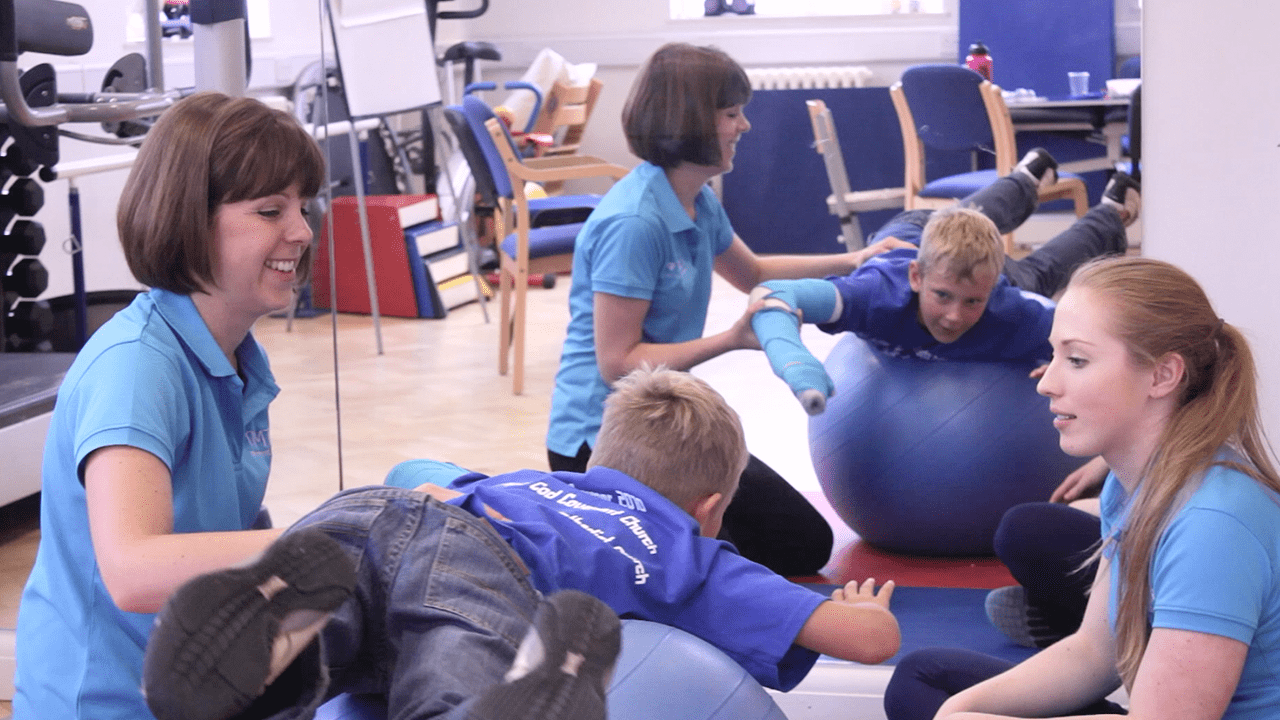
879,248
1085,481
856,625
854,593
742,331
1038,373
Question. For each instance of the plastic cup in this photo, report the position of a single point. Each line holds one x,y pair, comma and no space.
1079,83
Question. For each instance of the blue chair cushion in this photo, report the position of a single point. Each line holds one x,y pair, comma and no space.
546,241
965,184
561,209
959,186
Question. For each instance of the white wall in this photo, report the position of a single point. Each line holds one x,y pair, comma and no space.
1211,161
617,36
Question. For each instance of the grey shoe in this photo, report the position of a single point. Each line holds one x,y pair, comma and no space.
225,636
1019,620
1007,610
563,665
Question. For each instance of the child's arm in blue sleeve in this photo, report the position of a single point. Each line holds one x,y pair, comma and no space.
777,327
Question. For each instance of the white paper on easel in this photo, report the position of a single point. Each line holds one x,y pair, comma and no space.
386,56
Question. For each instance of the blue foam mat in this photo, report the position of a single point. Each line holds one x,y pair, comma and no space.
945,617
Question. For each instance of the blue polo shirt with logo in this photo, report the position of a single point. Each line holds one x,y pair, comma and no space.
638,243
1216,570
152,377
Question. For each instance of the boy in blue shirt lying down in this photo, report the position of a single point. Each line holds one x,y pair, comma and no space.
425,595
957,296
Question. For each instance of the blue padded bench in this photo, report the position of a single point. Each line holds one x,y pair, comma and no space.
28,387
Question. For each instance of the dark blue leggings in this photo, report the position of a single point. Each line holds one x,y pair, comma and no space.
924,679
1045,546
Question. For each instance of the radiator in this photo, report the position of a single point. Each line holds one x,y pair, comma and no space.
808,78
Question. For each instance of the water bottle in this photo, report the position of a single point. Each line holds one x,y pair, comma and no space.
979,60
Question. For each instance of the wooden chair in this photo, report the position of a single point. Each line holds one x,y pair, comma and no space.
563,116
843,202
492,180
955,109
525,249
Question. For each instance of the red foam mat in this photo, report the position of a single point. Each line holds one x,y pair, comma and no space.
856,560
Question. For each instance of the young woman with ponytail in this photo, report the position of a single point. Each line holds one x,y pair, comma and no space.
1185,611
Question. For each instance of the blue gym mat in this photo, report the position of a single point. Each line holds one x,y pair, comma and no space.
944,617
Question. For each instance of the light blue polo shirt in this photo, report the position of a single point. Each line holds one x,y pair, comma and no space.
152,377
1216,570
638,243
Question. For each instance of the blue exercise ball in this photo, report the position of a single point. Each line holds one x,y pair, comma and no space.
924,457
664,673
661,673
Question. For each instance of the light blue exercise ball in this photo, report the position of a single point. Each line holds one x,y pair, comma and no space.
661,674
665,673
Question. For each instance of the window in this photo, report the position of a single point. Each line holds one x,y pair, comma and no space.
688,9
175,20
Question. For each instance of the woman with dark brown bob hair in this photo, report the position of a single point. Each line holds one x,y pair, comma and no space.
642,283
158,452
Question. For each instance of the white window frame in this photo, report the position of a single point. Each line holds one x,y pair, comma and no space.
691,9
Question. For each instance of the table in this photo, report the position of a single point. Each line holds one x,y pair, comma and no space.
1074,115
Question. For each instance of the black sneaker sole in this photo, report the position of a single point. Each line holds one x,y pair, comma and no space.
1118,187
1043,163
210,651
582,638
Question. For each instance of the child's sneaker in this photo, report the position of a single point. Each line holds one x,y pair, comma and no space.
1125,195
563,666
223,637
1040,166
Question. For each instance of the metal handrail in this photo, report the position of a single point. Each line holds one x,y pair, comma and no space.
105,107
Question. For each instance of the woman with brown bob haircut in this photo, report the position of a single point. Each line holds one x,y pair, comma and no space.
642,283
670,116
158,451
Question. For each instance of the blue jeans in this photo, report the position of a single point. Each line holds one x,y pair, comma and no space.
441,603
1008,202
